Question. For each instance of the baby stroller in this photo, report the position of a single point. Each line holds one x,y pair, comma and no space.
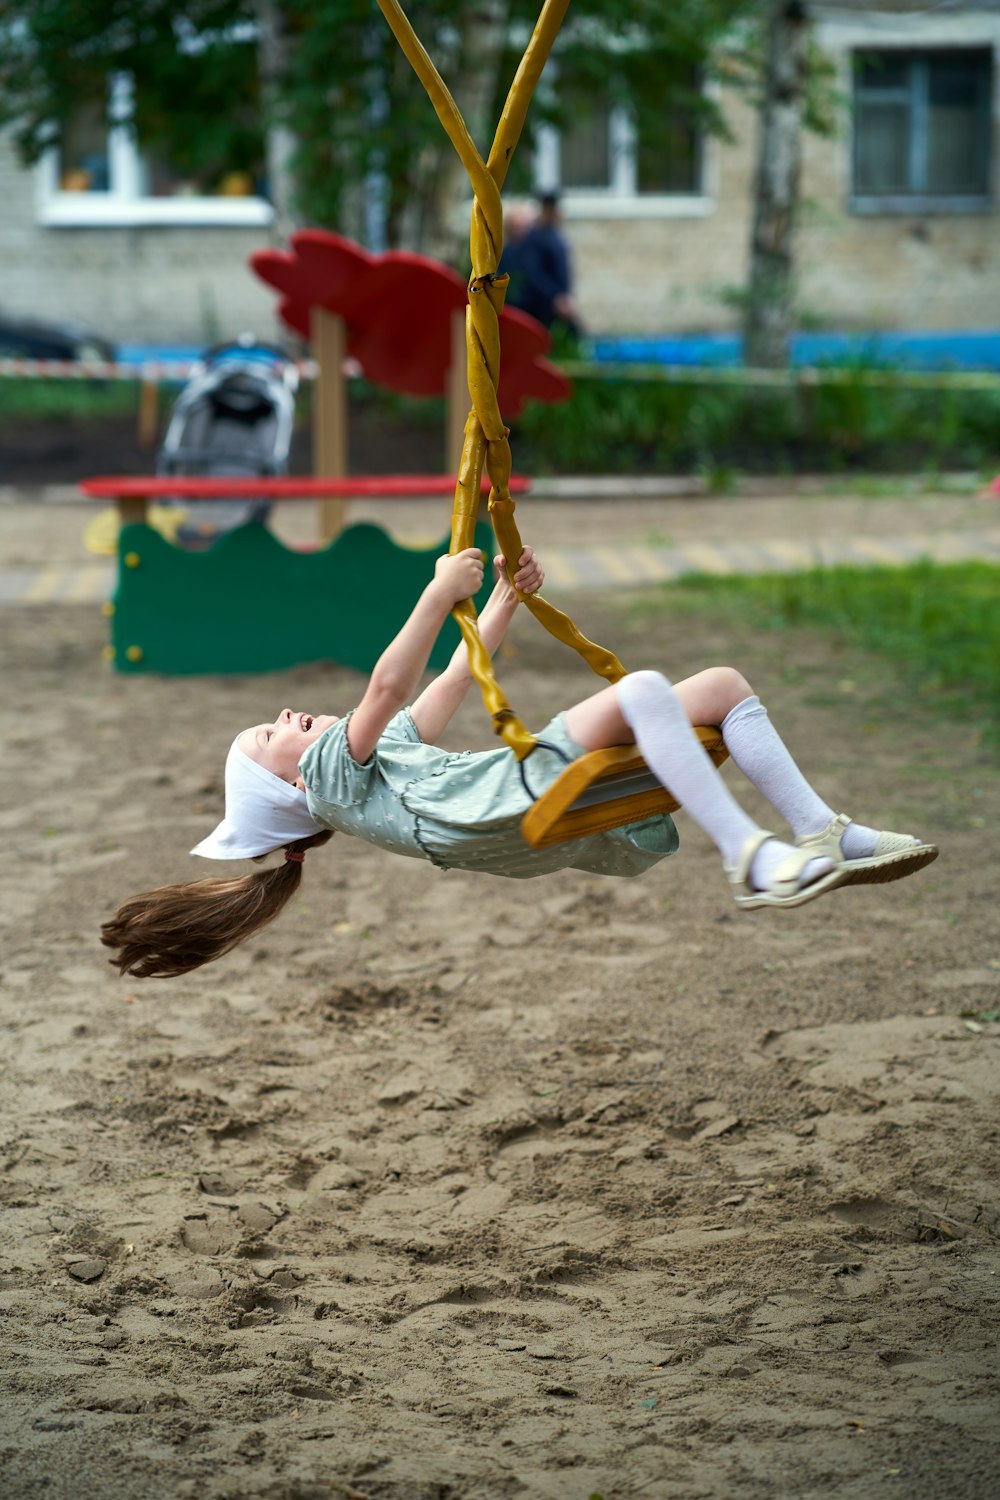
233,418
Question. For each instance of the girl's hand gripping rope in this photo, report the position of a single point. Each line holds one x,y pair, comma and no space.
459,575
433,710
528,577
398,670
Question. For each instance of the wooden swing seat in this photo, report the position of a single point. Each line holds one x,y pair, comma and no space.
603,790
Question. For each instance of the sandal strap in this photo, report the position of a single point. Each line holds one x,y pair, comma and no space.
740,872
786,878
828,839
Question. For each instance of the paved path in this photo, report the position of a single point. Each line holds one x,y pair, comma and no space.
661,539
595,567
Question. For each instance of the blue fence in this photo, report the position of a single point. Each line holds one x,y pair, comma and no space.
144,354
912,351
959,350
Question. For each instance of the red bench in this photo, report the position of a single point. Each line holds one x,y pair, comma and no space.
131,493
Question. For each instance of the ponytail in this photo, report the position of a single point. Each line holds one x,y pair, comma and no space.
177,928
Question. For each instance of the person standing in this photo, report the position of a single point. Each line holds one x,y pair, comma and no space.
518,221
544,270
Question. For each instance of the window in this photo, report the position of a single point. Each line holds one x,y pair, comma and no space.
585,153
611,158
101,173
922,130
83,154
669,161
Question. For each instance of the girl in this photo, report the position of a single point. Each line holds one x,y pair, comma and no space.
377,773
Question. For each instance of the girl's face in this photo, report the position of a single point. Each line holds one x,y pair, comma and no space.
278,747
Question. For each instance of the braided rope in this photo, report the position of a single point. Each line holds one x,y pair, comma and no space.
486,438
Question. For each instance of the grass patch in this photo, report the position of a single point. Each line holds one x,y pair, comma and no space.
621,422
73,400
938,624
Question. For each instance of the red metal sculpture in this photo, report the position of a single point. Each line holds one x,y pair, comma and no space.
398,310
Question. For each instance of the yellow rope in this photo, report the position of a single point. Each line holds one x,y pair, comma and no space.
485,440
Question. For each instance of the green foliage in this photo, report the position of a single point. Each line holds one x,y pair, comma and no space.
716,430
940,625
826,102
194,66
682,47
68,400
356,108
339,82
844,423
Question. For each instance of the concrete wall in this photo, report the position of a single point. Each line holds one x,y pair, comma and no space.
174,284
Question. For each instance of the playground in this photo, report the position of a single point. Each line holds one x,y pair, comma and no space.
452,1187
445,1187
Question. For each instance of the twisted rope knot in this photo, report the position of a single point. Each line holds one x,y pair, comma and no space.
500,505
485,433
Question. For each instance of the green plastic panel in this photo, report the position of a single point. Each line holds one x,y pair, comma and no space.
250,604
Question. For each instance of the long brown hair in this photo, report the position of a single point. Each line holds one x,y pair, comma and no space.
178,928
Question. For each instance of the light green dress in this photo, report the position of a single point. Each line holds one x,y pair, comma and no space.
462,809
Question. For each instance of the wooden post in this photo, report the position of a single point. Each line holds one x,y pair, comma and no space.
458,402
149,412
329,348
132,510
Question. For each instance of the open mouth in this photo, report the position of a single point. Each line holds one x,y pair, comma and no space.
305,722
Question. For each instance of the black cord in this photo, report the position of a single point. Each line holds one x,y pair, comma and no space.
540,745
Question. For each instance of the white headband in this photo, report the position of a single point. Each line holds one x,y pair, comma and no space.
262,812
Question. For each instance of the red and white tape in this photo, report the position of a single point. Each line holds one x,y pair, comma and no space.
99,369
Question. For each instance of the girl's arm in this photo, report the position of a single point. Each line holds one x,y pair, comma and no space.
436,706
402,663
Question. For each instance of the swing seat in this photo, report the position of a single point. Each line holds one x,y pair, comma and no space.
605,789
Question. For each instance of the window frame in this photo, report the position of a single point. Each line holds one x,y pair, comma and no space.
122,205
866,204
620,199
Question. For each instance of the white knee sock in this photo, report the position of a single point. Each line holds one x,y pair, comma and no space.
759,752
674,754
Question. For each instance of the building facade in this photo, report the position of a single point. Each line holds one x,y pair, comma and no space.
899,226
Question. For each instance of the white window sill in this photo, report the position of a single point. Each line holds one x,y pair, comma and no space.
102,211
596,205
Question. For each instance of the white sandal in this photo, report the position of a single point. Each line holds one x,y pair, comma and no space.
895,854
784,887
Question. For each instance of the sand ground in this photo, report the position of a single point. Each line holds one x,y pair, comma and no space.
449,1187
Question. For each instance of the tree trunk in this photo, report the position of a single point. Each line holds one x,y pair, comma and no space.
272,52
770,295
436,226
